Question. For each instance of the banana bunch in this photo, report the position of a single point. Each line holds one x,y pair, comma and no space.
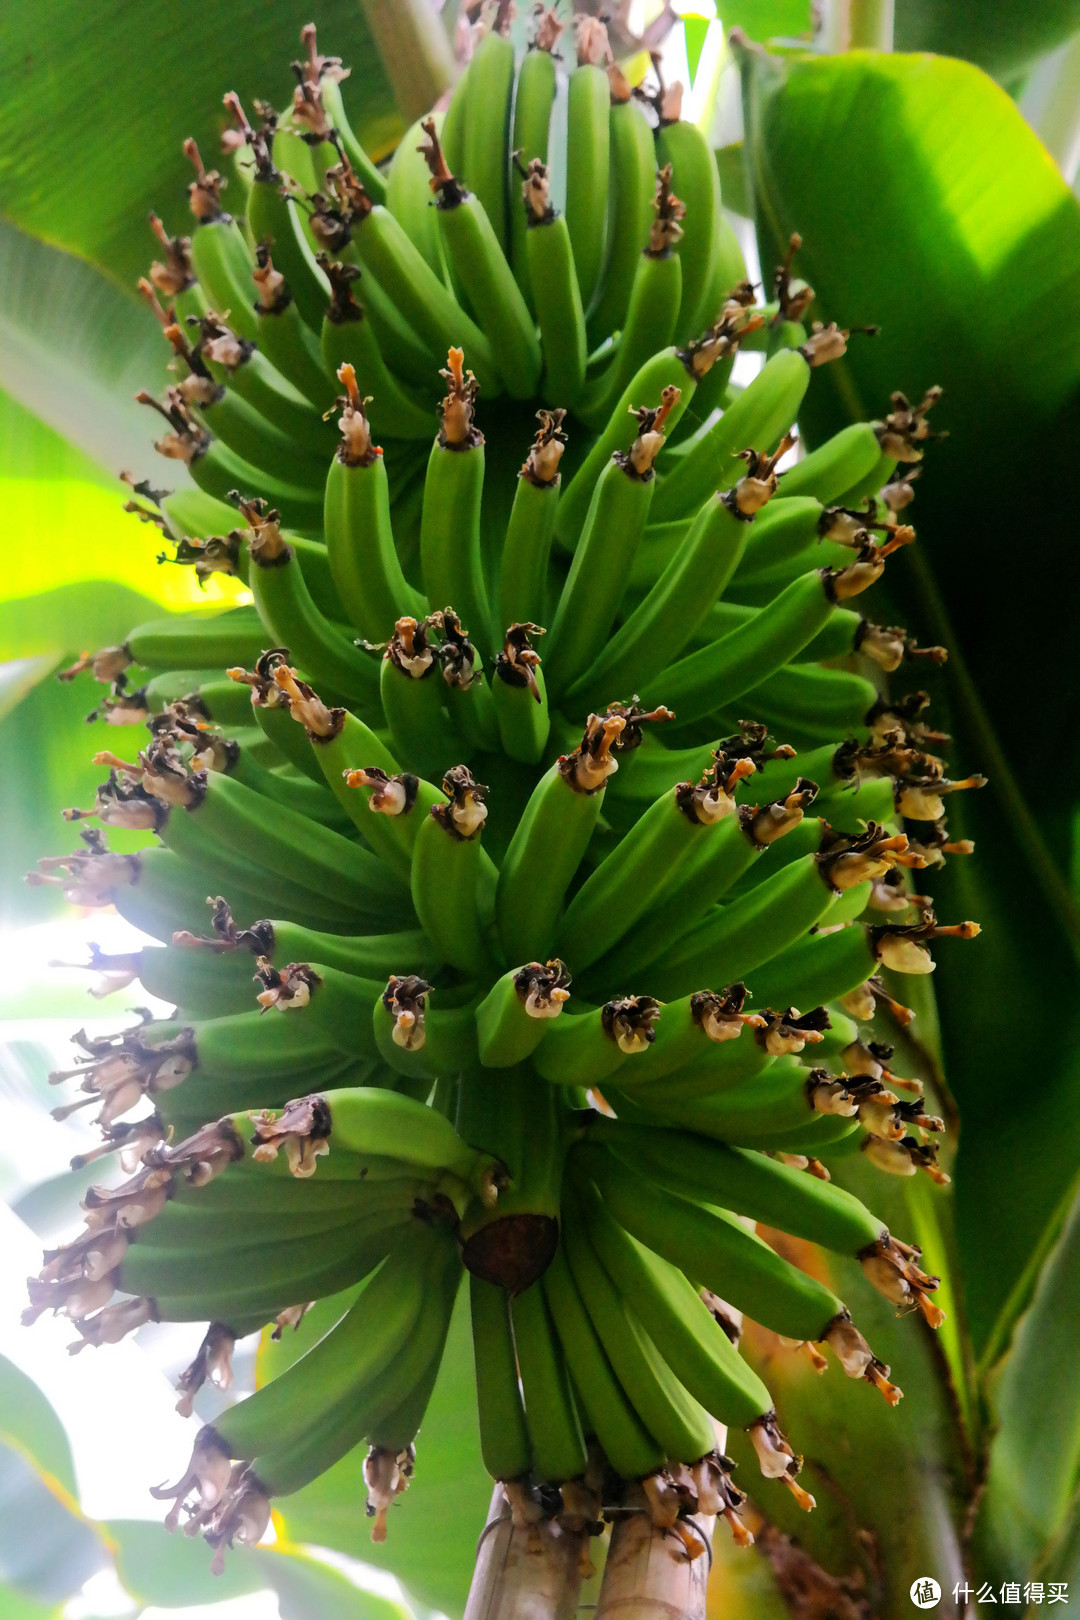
520,928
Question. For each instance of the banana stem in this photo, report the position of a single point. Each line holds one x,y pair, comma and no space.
528,1573
651,1571
854,25
415,51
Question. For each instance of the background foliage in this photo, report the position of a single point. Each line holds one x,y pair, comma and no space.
927,205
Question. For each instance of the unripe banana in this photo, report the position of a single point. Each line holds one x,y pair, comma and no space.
419,1089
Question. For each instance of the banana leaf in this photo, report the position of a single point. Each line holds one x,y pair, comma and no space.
863,154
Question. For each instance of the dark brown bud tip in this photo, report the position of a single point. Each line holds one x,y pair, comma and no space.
535,192
905,431
638,460
466,811
629,1022
542,988
719,1014
449,193
287,988
519,661
405,999
666,229
542,464
587,769
302,1128
457,409
892,1267
356,448
204,192
391,795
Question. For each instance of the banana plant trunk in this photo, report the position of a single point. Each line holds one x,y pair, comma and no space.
649,1572
537,1573
526,1574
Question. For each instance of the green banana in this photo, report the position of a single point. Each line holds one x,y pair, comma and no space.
206,983
738,661
397,1127
549,265
810,705
653,312
315,857
359,534
311,1280
827,967
626,1443
424,301
678,1423
510,1019
519,696
633,182
716,1249
676,1318
738,937
408,194
668,369
534,96
626,884
612,531
488,92
523,567
473,249
667,619
550,839
556,1442
830,470
283,599
453,877
349,338
371,1333
683,147
748,1183
450,556
725,860
504,1437
363,1409
761,415
422,1041
585,1048
588,143
273,217
198,641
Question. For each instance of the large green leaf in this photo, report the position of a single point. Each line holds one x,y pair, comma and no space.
1000,35
927,205
306,1587
28,1422
1035,1456
767,19
47,1549
94,117
433,1529
173,1571
46,1207
75,349
70,619
17,1606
